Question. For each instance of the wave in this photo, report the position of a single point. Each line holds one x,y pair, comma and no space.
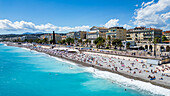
26,49
133,84
118,79
5,44
64,60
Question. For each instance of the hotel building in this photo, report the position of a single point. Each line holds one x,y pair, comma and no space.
96,32
116,33
143,34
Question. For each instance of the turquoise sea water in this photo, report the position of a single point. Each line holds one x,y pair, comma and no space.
29,73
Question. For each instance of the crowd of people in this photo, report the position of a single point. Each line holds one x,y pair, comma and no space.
131,66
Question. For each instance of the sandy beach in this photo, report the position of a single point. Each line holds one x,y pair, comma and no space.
134,68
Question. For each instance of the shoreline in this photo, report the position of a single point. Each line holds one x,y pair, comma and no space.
79,63
105,69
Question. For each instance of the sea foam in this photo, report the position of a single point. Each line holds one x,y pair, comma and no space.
133,84
118,79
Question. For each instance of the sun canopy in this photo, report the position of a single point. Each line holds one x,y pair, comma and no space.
73,50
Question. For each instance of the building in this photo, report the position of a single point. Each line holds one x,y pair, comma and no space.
77,35
143,34
116,33
63,37
167,34
80,35
96,32
70,34
29,37
49,37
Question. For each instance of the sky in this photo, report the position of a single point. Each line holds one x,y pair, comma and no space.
19,16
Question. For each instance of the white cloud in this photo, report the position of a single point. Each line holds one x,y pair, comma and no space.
8,25
148,3
127,26
112,23
166,16
153,14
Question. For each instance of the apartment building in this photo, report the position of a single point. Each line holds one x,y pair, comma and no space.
143,34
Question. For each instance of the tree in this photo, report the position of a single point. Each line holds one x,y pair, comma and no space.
120,45
164,38
116,42
51,42
86,42
128,45
70,40
99,42
45,40
109,40
156,40
80,40
63,41
38,40
141,48
89,41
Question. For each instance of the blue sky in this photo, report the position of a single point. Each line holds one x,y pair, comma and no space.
74,15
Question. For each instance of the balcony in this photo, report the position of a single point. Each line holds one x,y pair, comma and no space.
147,34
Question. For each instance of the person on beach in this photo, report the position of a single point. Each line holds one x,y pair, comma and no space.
130,66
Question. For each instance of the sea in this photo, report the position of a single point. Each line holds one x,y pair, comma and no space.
25,72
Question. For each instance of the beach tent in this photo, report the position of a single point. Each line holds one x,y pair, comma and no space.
73,51
152,61
45,47
61,48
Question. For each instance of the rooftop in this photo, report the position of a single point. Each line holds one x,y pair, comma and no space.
116,28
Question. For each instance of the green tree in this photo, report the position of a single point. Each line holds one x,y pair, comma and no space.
51,42
128,45
164,38
87,41
116,42
80,40
99,42
45,40
63,41
109,41
70,40
141,48
156,40
120,45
